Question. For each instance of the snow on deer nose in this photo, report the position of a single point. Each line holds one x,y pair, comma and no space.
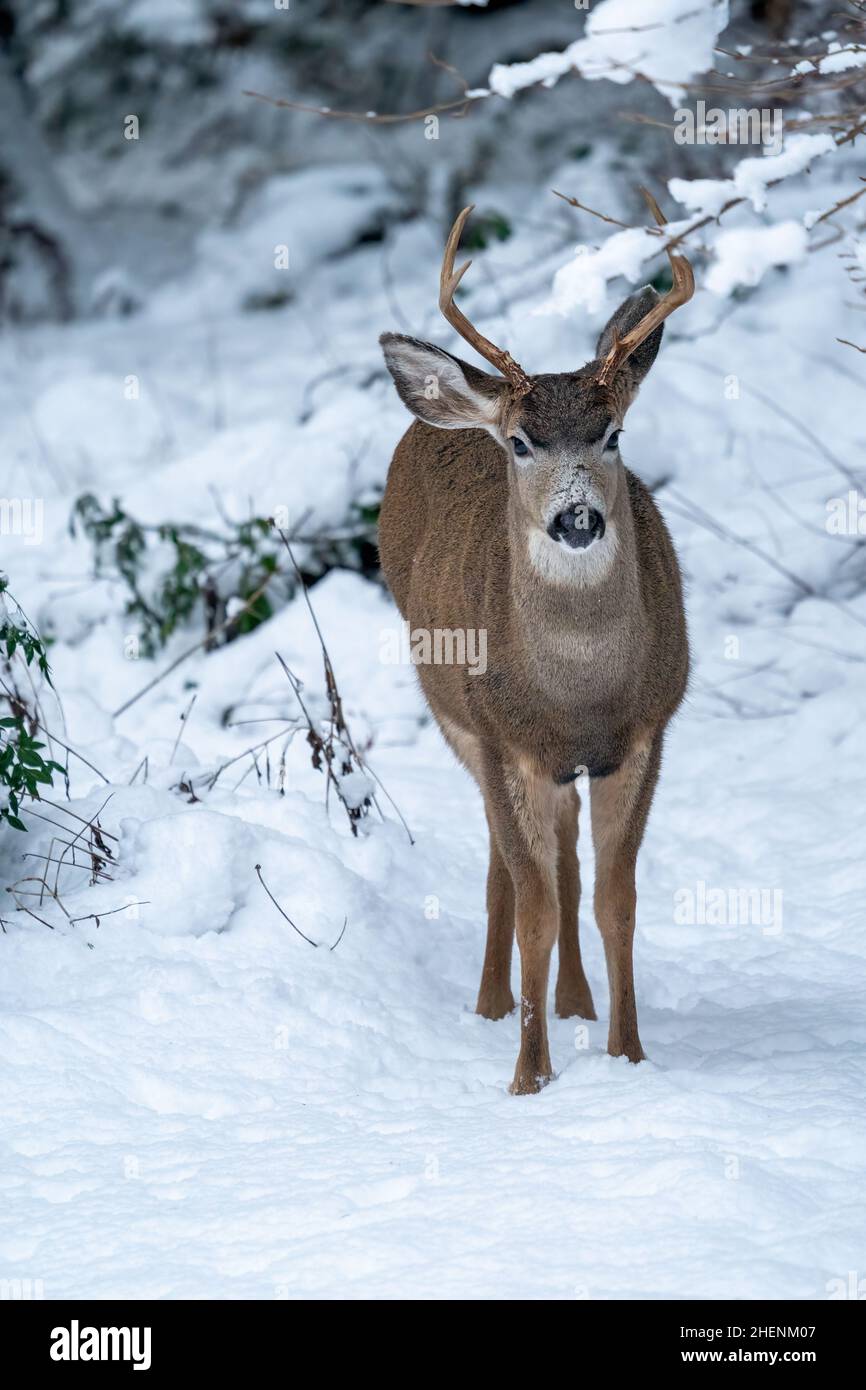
577,527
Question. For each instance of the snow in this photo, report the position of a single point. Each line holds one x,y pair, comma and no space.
741,257
208,853
198,1102
130,427
744,254
205,1105
836,59
666,41
582,283
751,177
704,196
293,222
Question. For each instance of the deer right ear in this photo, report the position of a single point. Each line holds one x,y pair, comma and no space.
440,389
627,317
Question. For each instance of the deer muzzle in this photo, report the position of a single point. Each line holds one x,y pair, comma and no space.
577,527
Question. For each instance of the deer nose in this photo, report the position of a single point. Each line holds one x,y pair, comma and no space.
577,527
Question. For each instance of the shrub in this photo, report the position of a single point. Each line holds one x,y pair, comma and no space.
23,766
175,571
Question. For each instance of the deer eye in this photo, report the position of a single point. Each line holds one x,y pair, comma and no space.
613,440
518,446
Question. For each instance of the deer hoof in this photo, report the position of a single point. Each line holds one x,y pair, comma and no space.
495,1004
630,1049
527,1082
575,1001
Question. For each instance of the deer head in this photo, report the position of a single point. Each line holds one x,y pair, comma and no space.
559,432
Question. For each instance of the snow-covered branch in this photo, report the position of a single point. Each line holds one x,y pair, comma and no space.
666,41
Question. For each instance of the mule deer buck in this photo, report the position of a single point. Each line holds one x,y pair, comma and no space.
508,509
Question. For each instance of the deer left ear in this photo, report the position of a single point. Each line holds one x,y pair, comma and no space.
439,388
627,317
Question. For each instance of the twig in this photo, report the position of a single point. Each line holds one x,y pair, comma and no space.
183,719
145,763
340,937
842,203
65,828
335,699
323,752
65,809
16,890
21,907
614,221
50,859
247,752
97,916
458,107
281,910
90,825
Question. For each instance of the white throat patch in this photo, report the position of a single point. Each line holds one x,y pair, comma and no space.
559,564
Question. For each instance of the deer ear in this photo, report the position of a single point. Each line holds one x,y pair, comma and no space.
439,388
627,316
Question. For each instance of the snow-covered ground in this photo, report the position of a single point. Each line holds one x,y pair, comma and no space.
198,1103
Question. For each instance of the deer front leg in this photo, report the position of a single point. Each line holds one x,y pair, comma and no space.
615,912
523,812
536,920
495,999
573,995
620,804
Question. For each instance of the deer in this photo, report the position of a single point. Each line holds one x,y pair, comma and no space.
508,510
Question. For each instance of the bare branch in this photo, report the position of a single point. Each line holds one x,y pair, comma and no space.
614,221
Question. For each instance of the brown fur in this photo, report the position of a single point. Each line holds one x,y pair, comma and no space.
585,666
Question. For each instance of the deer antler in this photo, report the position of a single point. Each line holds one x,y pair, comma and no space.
680,293
449,279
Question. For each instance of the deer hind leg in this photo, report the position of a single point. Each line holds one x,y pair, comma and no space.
495,999
523,810
620,804
573,995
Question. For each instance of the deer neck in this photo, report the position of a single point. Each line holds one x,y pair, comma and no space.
578,616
